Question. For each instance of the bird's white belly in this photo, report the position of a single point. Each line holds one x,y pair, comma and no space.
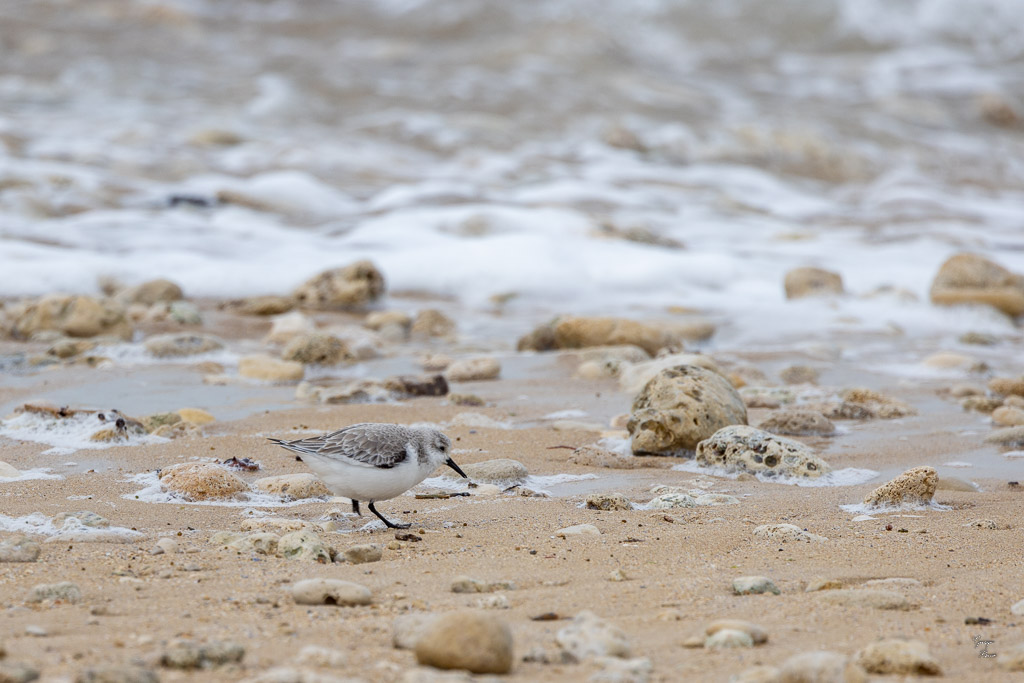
365,483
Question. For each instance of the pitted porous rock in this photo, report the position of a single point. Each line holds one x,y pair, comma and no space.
915,486
680,407
798,422
740,447
351,286
201,481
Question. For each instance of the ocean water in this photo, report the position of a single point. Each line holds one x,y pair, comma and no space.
615,157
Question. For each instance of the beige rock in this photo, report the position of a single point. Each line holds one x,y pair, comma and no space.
466,639
947,360
74,316
797,422
815,585
981,404
177,345
64,591
757,634
898,656
431,322
303,545
1007,386
578,530
408,628
757,674
579,332
279,525
391,325
1011,437
866,597
316,349
972,279
330,592
9,471
799,374
608,501
753,585
501,471
728,638
681,407
589,636
353,286
256,543
196,416
269,369
667,501
265,305
802,282
417,385
820,667
18,549
466,584
363,553
785,533
473,369
294,486
154,422
740,447
285,327
1008,416
201,481
542,338
915,486
634,376
864,403
69,348
151,292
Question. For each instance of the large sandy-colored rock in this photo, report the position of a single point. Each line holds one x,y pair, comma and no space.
19,549
201,481
1007,386
580,332
473,369
431,322
316,349
915,486
680,407
74,316
268,304
178,345
353,286
501,471
590,636
296,486
802,282
972,279
757,634
1008,416
304,544
196,416
740,447
898,656
330,592
269,369
798,422
285,327
467,639
64,591
151,292
820,667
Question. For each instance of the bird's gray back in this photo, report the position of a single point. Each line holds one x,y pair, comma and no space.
370,444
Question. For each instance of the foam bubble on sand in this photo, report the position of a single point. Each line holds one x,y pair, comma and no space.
154,492
849,476
570,414
71,529
863,508
26,475
66,434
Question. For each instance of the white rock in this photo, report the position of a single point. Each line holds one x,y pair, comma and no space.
590,636
578,530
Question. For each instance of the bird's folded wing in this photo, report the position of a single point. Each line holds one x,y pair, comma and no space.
363,446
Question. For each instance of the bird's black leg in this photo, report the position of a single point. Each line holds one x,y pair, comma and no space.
355,507
389,525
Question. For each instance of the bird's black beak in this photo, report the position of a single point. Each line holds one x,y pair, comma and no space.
451,463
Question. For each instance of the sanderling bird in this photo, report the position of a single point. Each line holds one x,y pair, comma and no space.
373,461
